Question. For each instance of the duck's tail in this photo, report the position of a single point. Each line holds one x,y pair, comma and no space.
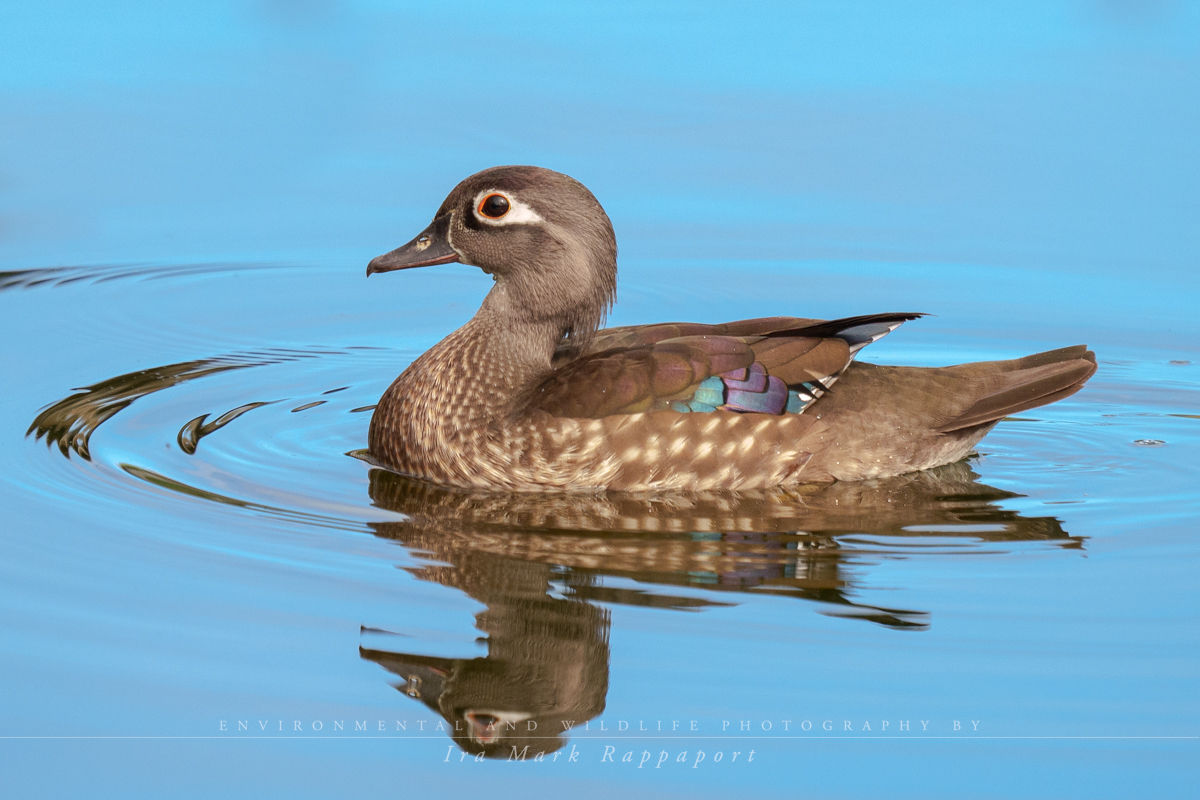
1010,387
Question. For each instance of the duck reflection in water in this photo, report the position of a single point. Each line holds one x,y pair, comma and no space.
542,562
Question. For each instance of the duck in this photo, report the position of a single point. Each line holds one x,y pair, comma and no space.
534,394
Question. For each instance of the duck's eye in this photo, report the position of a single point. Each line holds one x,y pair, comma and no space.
494,206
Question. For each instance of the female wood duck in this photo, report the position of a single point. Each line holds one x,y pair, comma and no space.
531,395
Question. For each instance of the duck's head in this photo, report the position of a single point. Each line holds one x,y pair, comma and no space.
542,236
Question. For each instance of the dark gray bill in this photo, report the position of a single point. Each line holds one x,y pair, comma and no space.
432,246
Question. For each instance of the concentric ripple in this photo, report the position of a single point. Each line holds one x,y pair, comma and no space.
273,431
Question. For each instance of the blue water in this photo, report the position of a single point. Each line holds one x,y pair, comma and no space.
188,198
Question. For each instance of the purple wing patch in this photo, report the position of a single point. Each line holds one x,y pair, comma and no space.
748,390
738,380
756,392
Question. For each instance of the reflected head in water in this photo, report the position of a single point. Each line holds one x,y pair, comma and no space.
541,562
490,732
547,662
546,671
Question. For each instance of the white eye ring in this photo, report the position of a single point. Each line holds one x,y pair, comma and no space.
518,213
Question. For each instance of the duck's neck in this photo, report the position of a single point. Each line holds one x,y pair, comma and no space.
507,351
481,371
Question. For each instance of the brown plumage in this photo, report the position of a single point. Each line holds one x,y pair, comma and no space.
531,395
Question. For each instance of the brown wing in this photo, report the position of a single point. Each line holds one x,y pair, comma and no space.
817,351
626,380
650,367
634,335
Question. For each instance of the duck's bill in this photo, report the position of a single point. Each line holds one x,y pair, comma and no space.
432,246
